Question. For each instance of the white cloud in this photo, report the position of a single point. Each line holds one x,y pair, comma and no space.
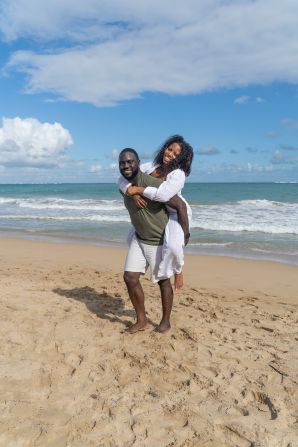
89,19
272,134
255,167
287,147
146,155
260,100
249,168
245,99
117,50
105,170
290,122
252,150
278,157
207,150
28,142
234,171
241,100
115,153
96,168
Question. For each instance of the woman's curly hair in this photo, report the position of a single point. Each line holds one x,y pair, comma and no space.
182,161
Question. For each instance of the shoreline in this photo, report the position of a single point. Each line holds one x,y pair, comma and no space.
199,270
191,250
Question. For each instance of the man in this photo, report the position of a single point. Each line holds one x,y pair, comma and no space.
146,247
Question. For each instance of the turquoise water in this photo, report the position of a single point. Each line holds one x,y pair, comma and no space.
233,192
247,220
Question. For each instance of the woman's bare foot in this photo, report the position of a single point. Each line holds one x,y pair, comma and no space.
163,327
136,327
178,281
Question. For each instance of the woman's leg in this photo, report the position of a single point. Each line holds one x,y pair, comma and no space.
173,255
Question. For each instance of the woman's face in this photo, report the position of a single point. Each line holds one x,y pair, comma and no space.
171,152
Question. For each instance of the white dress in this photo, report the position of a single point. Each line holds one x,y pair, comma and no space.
173,254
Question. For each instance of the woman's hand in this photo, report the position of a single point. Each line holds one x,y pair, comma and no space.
139,201
133,190
186,238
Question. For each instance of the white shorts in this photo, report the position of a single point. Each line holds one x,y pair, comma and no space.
140,256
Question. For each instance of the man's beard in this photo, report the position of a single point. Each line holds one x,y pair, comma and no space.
132,176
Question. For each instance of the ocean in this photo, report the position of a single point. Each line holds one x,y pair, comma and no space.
244,220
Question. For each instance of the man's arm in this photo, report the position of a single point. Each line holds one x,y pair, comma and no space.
175,202
180,206
138,188
172,185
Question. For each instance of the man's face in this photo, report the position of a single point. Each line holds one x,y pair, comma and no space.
128,165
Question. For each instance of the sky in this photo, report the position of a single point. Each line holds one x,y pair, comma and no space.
79,81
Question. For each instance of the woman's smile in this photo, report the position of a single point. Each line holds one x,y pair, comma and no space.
171,153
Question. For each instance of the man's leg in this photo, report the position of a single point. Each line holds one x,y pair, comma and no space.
136,295
166,292
135,265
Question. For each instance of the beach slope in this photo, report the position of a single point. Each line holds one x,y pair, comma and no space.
225,375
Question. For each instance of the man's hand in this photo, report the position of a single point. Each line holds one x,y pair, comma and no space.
139,201
133,190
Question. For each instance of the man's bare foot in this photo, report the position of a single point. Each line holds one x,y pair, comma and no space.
163,327
136,327
178,281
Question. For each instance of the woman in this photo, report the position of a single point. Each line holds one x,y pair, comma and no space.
171,164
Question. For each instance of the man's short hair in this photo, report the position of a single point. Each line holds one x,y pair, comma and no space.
129,149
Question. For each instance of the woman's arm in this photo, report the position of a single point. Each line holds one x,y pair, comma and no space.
123,184
171,186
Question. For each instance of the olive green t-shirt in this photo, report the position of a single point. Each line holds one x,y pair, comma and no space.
149,222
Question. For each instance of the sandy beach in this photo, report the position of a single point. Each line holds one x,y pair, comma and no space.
225,375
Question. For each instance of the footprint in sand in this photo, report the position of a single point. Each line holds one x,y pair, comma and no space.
234,410
263,401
